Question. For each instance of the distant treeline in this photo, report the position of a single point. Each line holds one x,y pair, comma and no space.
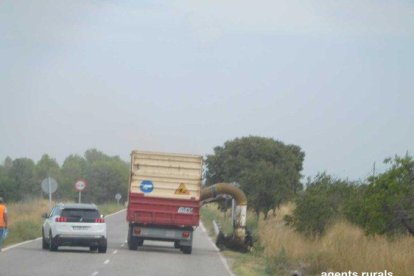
106,176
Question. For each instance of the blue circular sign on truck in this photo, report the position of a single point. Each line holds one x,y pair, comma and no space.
146,186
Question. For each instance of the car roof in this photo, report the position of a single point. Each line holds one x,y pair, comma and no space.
77,206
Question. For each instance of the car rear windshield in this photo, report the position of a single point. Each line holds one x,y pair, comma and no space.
80,215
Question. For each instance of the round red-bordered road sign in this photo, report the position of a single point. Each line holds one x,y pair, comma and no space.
80,185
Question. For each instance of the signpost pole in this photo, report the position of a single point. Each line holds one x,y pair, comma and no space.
49,186
80,185
50,192
118,196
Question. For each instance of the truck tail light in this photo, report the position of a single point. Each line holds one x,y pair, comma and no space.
100,220
185,234
61,219
137,231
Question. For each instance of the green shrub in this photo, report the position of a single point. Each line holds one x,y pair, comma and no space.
320,204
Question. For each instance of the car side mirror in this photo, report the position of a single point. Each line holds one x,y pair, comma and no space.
45,215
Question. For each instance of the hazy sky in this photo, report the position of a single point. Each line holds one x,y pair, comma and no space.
334,77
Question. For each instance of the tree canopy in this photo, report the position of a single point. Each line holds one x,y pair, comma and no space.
267,170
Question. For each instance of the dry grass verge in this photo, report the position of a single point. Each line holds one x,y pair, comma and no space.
343,248
280,250
25,220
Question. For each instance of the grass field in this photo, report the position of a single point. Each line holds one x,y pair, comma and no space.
279,250
25,219
343,248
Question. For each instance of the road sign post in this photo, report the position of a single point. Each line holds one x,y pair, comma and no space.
80,185
118,196
49,186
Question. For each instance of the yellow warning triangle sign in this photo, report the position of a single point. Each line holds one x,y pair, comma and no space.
182,190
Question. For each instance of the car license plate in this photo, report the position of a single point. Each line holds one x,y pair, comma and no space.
80,227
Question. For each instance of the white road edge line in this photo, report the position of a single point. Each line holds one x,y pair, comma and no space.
223,260
110,215
29,241
95,273
116,251
19,244
106,262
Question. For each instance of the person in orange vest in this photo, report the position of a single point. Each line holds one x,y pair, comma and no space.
3,220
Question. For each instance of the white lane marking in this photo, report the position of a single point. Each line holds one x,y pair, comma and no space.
106,262
19,244
116,251
223,260
95,273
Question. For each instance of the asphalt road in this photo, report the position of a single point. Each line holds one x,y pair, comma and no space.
154,258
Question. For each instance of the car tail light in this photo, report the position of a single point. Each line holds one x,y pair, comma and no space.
185,234
61,219
100,220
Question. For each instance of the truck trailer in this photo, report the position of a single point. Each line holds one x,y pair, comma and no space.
164,198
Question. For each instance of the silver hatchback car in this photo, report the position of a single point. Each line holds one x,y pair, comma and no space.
74,224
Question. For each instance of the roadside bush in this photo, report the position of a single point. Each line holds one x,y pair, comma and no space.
387,206
319,205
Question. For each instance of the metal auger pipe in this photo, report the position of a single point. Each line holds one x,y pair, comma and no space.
239,237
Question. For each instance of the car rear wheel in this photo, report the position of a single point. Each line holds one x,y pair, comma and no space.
102,246
44,242
52,243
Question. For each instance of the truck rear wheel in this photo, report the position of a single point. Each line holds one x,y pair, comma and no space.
140,242
132,241
102,248
187,249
